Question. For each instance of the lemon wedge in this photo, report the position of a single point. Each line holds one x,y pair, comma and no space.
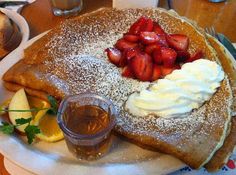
50,131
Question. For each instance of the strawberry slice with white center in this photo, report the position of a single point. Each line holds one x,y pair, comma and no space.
168,56
131,38
156,74
122,44
114,55
157,29
198,55
148,37
179,42
142,66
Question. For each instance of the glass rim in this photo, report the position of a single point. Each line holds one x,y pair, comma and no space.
74,135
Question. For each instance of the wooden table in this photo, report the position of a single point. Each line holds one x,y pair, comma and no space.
219,15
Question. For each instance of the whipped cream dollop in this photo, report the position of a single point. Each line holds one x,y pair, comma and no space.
179,92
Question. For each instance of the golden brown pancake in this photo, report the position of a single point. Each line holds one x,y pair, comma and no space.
51,66
229,64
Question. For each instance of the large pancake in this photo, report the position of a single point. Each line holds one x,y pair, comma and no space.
229,65
51,67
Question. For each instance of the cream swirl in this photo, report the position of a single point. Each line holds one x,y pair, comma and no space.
179,92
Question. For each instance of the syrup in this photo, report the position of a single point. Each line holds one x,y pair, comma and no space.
88,121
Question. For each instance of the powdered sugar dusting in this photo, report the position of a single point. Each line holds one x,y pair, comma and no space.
78,64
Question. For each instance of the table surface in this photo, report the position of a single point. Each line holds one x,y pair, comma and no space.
219,15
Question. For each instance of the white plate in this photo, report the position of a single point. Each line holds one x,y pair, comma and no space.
14,169
20,22
54,158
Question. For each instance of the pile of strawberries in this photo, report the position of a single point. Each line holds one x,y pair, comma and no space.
148,53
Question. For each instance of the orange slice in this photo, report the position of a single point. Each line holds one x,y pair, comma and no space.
50,131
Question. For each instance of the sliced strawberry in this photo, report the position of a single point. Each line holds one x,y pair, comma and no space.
136,27
168,56
151,47
166,70
142,66
199,54
162,40
156,74
130,53
140,47
114,55
148,26
178,42
123,61
177,66
182,56
131,38
122,44
157,29
148,37
126,72
157,57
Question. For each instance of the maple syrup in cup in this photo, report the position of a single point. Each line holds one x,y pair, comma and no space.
87,121
66,7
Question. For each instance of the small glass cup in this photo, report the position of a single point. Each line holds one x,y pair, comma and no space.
66,7
87,121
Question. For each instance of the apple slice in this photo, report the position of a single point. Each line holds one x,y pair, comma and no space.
19,102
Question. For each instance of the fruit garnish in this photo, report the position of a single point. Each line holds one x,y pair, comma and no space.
148,37
122,44
19,106
168,56
147,46
136,27
182,56
195,56
156,74
131,38
157,29
126,72
143,24
50,131
142,66
151,47
162,40
130,53
157,56
167,70
114,55
19,102
4,107
178,42
148,25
